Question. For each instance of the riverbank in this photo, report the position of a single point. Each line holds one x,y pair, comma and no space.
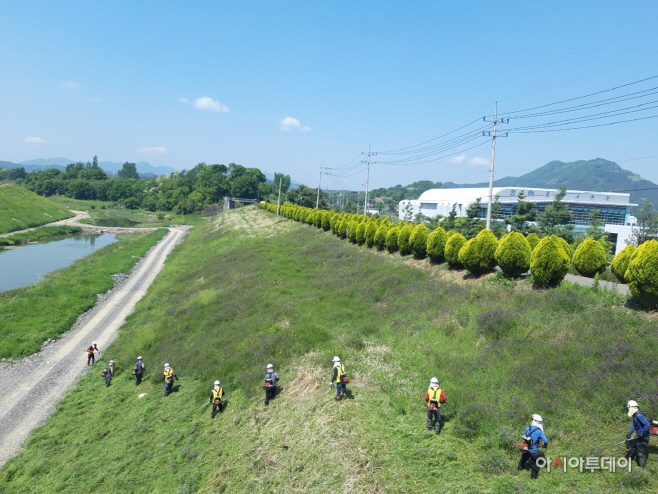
21,209
41,233
29,316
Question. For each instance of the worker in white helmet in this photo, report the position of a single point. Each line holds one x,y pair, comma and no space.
435,397
216,398
532,437
139,370
90,353
271,379
339,378
168,376
637,447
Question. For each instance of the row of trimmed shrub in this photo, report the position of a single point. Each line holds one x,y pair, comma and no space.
548,259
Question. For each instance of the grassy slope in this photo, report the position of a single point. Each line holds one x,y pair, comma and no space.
30,315
24,209
258,289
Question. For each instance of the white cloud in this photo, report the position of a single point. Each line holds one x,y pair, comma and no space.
290,123
33,140
479,161
152,150
207,103
183,100
457,159
70,85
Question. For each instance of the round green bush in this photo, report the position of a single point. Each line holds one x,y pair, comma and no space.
361,233
621,261
418,241
380,237
342,229
642,274
589,258
326,220
533,240
403,240
513,254
567,248
370,233
392,239
436,245
477,255
549,261
353,225
450,233
453,246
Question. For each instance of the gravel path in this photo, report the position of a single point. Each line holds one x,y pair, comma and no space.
607,285
30,388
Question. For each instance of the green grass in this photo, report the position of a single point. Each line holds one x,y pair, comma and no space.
103,210
39,234
29,316
23,209
252,288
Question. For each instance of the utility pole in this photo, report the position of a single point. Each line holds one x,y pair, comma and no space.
357,202
365,202
317,200
278,201
493,158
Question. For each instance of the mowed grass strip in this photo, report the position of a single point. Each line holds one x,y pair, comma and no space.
23,209
251,288
30,315
39,234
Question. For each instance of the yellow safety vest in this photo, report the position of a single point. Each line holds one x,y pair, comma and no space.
169,374
435,395
217,393
341,370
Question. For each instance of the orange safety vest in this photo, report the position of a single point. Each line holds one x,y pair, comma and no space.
435,395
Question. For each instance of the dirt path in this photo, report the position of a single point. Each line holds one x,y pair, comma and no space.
31,387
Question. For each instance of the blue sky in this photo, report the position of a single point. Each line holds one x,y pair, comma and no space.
284,86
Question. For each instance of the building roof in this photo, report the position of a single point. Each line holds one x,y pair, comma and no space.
535,194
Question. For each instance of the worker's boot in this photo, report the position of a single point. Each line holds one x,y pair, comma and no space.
641,461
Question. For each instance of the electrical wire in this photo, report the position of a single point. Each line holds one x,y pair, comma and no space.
582,127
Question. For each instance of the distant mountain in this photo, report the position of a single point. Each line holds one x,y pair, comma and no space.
47,163
596,175
110,167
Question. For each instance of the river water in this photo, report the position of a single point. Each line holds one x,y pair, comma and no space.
22,265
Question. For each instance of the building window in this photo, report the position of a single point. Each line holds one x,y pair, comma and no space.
531,192
428,205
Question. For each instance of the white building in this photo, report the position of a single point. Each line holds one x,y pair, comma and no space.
615,207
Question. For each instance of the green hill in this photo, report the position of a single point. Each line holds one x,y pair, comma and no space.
247,288
597,175
24,209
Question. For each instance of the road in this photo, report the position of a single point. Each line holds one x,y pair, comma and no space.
31,387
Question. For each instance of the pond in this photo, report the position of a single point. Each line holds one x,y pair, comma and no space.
116,222
26,264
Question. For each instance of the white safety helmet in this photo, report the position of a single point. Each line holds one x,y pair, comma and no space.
166,365
93,343
537,418
632,403
336,359
111,361
435,381
139,358
270,366
216,383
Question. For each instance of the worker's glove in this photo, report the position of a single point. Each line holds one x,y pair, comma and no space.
331,384
628,436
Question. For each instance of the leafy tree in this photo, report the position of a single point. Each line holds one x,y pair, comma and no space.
449,222
478,254
525,212
647,225
361,233
590,258
285,182
453,247
342,229
370,233
557,219
549,262
513,254
327,216
620,263
642,274
436,245
128,170
352,231
596,231
392,239
533,240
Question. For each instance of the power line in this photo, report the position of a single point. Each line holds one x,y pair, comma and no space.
583,127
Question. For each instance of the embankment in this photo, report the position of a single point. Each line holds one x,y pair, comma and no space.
251,288
23,209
